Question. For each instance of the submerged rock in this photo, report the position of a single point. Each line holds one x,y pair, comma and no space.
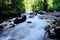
12,26
29,22
31,16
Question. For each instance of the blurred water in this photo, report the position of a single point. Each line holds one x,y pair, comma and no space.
25,31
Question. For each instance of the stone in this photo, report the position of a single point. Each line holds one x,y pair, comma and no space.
23,18
57,32
42,12
50,35
12,26
31,16
5,24
17,20
33,13
29,22
9,20
1,28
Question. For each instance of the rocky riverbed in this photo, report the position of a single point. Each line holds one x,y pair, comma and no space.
27,27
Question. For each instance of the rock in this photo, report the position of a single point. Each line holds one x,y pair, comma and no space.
29,22
31,16
50,35
57,32
9,20
5,24
17,20
55,13
57,22
12,26
42,12
23,18
33,13
47,28
1,28
41,17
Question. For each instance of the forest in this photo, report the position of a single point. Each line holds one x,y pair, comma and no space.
14,6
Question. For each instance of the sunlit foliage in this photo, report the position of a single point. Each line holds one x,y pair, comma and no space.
14,6
28,4
50,5
38,5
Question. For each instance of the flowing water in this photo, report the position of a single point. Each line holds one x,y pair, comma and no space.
27,31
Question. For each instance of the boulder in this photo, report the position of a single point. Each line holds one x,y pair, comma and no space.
55,13
33,13
57,32
17,20
42,12
1,28
50,35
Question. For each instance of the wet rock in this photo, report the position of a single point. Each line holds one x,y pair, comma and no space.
12,26
57,32
29,22
49,27
5,24
57,22
33,13
50,35
31,16
55,13
23,18
17,20
54,33
42,12
41,17
1,28
9,20
54,22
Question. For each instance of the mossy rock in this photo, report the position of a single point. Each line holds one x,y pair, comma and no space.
57,22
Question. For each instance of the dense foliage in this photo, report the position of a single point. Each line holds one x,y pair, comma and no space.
38,5
14,6
47,5
11,6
